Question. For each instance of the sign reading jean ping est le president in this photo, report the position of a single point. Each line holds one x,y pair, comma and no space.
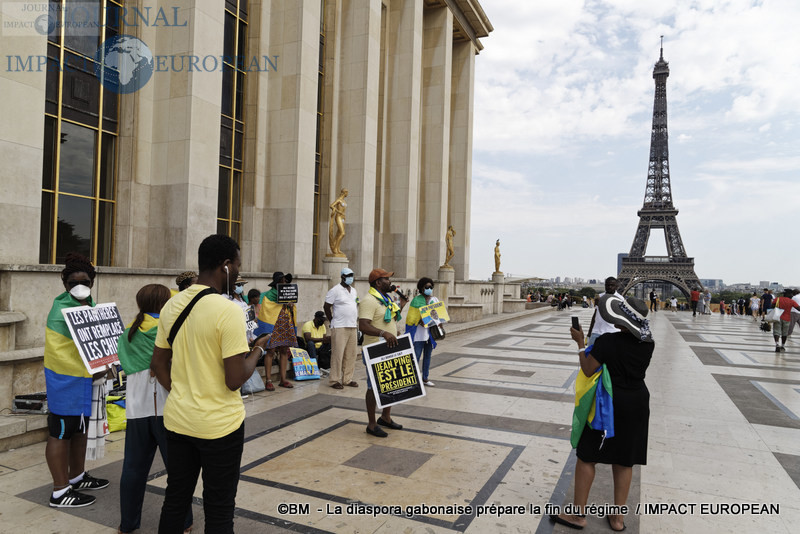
95,332
393,372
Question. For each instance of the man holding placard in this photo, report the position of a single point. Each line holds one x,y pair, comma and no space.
377,320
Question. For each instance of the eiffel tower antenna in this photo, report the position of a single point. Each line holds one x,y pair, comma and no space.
657,210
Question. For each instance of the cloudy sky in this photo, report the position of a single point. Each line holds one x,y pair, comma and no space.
563,110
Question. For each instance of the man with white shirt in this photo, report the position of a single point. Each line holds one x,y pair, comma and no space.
795,312
341,309
600,326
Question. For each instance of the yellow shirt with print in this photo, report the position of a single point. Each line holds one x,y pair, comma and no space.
315,332
200,404
371,308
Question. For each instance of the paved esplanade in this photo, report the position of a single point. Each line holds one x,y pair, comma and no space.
724,432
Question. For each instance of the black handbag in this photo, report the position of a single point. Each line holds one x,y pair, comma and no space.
437,332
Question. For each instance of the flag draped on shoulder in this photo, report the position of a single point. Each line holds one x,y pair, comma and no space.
593,404
414,318
135,356
69,384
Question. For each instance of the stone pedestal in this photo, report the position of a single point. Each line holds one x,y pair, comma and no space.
447,283
498,279
332,266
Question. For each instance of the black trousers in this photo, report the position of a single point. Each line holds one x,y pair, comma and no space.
219,460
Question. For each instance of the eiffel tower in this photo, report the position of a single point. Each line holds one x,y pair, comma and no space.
658,212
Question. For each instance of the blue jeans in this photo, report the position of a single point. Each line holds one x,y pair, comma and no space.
219,460
423,351
142,436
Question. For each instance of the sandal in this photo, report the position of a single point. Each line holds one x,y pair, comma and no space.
269,386
286,384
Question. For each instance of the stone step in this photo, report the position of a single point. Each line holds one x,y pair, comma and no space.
464,313
8,322
514,305
18,430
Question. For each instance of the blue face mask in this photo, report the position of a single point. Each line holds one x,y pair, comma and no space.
349,280
239,290
428,292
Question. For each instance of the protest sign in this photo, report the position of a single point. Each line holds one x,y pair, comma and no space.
95,332
393,372
433,314
287,293
252,323
305,367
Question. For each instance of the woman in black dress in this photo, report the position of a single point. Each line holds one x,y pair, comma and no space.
626,355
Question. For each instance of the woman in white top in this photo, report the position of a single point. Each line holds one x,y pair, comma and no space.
755,304
423,342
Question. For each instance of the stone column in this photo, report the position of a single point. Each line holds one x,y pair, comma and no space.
446,286
21,140
498,279
169,147
401,175
356,125
291,136
460,170
437,52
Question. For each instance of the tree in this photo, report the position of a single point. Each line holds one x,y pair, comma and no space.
588,292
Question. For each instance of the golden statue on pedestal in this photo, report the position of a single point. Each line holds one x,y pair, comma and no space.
451,251
497,258
336,231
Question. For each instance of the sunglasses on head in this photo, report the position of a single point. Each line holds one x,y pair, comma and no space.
73,283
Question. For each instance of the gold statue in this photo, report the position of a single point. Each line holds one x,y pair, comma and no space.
336,231
448,240
497,258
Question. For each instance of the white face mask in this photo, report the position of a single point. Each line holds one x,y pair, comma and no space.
80,292
349,280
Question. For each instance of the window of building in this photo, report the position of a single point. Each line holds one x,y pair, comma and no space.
231,139
80,138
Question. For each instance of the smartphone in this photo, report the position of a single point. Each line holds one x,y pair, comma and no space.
575,323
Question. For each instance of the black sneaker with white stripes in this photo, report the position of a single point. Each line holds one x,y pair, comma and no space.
88,482
71,499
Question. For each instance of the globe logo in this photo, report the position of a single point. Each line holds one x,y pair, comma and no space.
124,64
45,24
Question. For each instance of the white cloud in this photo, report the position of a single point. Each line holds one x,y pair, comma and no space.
563,102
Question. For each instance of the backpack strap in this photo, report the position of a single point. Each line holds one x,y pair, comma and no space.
176,326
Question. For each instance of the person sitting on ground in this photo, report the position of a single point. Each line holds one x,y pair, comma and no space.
69,391
626,356
318,342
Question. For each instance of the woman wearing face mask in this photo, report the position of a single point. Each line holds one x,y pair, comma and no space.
69,392
423,341
237,296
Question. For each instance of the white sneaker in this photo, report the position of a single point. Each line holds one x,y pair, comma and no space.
429,384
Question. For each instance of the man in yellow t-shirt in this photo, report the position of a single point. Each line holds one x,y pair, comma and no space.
373,311
318,342
203,367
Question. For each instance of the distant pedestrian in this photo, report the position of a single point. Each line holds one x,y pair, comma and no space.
341,309
755,303
694,297
780,329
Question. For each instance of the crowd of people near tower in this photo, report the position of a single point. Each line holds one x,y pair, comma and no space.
186,356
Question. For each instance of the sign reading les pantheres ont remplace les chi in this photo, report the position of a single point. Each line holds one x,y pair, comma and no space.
95,331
